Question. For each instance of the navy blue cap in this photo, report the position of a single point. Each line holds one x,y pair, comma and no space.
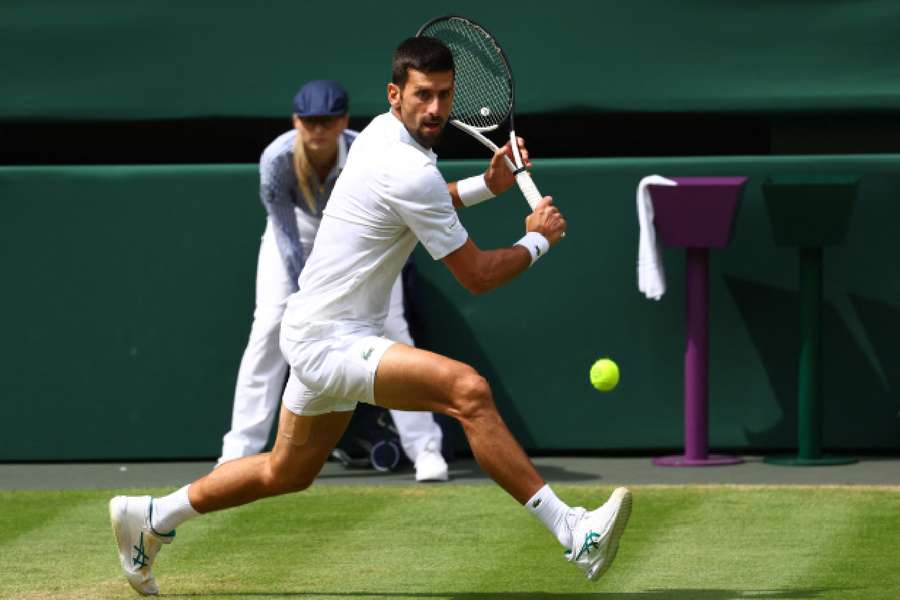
321,98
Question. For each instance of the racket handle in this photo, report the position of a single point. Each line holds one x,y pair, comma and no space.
529,190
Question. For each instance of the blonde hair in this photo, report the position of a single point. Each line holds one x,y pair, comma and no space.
302,170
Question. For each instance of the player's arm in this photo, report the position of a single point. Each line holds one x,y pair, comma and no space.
480,271
494,181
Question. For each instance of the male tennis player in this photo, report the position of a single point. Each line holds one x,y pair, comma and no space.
297,173
389,197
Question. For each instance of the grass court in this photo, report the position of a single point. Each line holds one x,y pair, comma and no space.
470,542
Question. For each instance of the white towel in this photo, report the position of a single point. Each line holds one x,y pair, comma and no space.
651,276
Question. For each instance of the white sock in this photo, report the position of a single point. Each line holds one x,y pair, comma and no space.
170,511
551,511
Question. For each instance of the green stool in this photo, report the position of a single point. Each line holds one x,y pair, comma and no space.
809,212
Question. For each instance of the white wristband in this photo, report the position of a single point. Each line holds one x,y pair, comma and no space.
536,244
473,190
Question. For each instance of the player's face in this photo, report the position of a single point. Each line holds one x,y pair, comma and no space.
320,134
423,104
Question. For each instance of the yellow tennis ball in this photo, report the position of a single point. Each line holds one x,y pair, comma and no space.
604,374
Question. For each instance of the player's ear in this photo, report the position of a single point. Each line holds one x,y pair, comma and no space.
393,94
296,121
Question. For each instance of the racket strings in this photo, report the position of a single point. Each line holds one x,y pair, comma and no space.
483,96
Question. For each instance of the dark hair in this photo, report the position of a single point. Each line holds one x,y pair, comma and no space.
425,54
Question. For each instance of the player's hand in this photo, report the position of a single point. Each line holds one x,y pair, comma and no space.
546,220
498,177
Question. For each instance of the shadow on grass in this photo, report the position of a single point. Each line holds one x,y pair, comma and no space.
553,473
654,594
460,471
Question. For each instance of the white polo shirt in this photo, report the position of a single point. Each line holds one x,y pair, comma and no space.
389,197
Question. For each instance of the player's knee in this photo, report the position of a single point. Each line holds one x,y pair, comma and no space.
472,394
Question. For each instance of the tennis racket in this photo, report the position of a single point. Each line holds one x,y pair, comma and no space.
485,95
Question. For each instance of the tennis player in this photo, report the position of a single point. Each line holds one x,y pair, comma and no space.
389,197
297,174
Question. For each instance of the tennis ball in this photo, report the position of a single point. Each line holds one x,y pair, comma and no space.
604,375
485,111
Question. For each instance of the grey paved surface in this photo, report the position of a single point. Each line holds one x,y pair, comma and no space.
607,471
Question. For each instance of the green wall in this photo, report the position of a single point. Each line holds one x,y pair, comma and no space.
129,295
129,290
127,300
113,59
537,337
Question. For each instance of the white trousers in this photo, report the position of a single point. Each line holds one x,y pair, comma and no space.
263,370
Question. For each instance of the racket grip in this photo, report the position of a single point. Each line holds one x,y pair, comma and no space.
529,190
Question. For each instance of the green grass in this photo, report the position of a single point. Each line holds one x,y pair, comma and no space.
457,542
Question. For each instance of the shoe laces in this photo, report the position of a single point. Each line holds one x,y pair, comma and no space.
591,542
140,559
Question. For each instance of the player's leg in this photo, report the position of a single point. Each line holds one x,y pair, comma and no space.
263,369
413,379
410,378
143,524
420,435
301,449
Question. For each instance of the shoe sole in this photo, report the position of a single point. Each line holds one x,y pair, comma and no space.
433,478
117,508
623,496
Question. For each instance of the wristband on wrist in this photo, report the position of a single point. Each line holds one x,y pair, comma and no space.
536,244
473,190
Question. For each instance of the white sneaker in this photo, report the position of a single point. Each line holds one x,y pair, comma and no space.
138,542
430,464
595,535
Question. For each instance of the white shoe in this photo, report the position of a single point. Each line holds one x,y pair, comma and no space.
595,534
430,465
138,542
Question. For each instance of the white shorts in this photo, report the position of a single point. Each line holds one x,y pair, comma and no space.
332,375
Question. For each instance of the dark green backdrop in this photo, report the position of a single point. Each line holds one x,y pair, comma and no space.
128,297
128,290
114,59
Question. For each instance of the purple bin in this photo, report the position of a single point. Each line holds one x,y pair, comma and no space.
697,215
